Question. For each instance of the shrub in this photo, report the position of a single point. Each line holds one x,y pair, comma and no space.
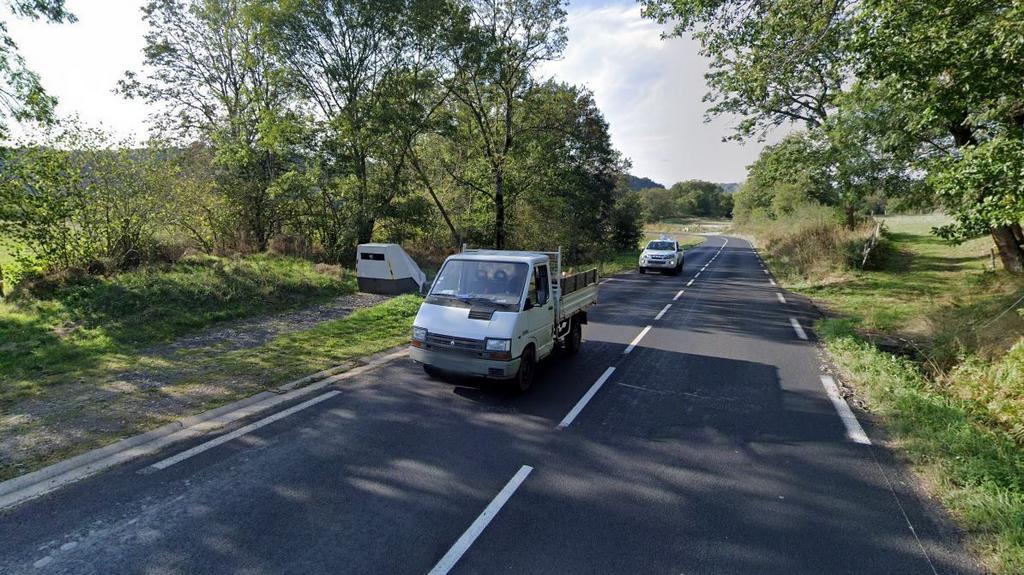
810,242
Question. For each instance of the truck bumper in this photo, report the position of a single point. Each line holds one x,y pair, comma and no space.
465,365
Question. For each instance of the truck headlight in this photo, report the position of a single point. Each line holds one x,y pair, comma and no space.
419,333
671,262
499,345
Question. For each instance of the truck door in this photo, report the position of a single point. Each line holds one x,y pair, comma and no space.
540,317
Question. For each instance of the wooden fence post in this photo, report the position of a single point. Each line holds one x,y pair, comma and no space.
870,245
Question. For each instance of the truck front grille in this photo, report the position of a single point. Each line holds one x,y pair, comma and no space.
453,343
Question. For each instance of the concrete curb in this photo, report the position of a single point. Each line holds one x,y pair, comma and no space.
20,489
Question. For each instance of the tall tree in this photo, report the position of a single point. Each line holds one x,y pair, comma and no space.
22,96
772,62
368,68
960,63
494,59
212,78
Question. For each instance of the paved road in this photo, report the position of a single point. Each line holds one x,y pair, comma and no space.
710,447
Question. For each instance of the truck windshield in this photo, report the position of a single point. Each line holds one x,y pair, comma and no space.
661,246
475,282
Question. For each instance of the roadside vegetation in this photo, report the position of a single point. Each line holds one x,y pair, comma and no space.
63,329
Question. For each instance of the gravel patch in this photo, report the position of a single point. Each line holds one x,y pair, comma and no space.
82,412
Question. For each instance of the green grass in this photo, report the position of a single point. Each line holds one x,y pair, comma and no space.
929,293
975,469
83,328
923,338
331,343
211,380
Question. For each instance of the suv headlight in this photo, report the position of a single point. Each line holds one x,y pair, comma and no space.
498,345
672,262
419,333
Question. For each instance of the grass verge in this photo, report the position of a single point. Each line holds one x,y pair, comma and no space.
364,332
975,469
81,328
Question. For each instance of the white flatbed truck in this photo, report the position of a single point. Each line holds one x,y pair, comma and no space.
496,313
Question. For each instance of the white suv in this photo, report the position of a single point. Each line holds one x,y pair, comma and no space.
663,255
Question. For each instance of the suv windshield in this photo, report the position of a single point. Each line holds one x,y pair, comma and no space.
474,282
661,246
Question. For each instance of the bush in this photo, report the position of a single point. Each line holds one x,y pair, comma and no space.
810,242
995,389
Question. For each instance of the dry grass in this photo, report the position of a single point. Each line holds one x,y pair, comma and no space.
810,245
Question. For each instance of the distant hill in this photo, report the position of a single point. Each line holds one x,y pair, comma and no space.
636,183
730,187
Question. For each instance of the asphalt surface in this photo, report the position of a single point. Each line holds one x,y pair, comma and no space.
712,447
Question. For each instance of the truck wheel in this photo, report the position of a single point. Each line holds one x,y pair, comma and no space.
433,372
527,366
642,270
574,338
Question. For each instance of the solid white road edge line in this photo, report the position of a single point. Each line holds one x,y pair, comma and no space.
798,328
853,429
477,527
782,298
165,463
662,312
576,409
636,340
679,294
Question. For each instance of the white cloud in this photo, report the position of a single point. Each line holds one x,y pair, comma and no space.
650,91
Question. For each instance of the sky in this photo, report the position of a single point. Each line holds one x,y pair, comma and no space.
649,89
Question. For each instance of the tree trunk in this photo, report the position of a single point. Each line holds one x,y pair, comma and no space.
499,211
851,217
1009,247
456,238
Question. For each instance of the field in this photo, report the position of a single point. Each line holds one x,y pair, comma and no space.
931,342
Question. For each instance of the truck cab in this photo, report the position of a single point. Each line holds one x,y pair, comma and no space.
495,314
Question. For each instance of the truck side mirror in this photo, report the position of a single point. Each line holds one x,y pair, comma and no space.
528,305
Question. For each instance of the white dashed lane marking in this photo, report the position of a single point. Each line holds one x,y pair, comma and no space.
477,527
798,328
853,429
165,463
576,409
636,340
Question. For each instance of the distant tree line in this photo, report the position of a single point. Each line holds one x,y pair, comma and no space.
689,199
918,103
310,126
